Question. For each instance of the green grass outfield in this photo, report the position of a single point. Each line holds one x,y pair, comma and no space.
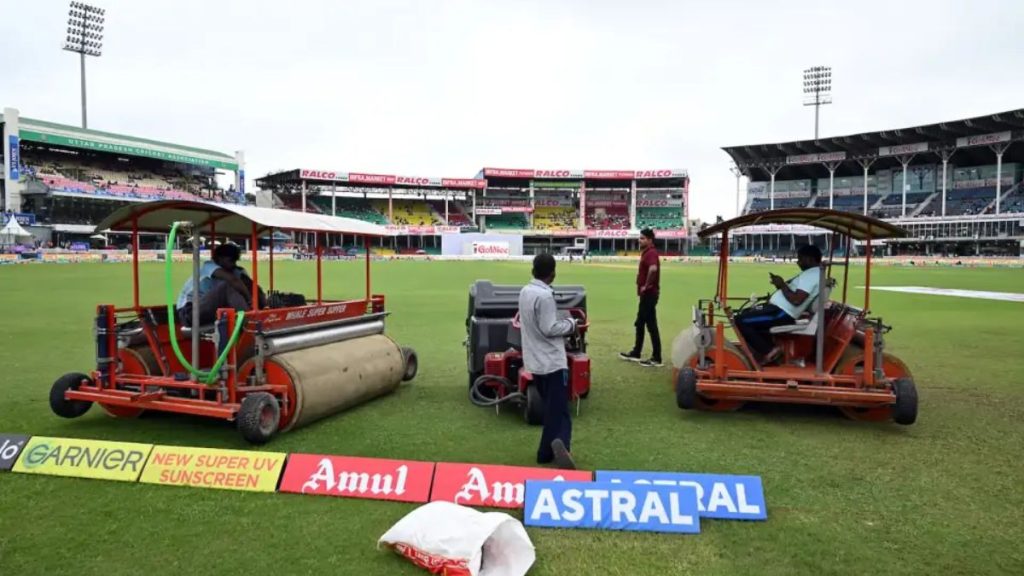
945,496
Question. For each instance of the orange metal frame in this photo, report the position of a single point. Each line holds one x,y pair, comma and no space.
129,393
794,384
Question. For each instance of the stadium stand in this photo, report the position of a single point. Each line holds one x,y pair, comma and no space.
107,176
660,218
356,208
615,217
456,214
511,221
409,212
554,217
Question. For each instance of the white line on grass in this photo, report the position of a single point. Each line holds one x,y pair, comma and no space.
980,294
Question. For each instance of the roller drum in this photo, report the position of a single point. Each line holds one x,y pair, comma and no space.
333,377
316,338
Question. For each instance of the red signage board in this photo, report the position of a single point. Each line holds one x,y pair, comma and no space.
493,486
371,178
350,477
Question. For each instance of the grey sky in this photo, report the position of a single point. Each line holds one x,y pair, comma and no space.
445,88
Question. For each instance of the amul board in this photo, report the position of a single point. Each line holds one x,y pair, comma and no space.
209,468
83,458
351,477
493,486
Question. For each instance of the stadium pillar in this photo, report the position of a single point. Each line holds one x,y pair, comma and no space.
632,204
771,193
391,207
303,195
533,205
334,199
945,164
999,149
445,208
866,163
12,155
738,172
905,161
831,181
583,206
240,174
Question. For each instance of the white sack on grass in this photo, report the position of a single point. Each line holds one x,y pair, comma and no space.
454,540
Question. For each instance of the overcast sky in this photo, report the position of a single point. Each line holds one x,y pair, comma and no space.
446,88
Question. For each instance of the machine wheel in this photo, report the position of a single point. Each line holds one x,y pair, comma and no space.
258,417
68,408
411,362
734,360
534,412
905,410
852,362
686,389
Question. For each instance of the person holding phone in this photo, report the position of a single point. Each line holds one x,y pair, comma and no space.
789,301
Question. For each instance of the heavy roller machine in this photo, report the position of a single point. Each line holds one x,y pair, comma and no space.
494,352
835,355
285,363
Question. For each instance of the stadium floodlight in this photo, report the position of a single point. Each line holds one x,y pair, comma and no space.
817,90
85,37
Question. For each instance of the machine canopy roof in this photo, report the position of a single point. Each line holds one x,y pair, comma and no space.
229,219
856,226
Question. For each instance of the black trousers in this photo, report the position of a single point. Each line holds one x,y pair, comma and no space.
647,318
756,323
554,389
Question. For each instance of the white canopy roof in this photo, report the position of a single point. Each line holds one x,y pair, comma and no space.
229,219
12,231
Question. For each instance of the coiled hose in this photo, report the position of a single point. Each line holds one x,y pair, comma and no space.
206,377
477,397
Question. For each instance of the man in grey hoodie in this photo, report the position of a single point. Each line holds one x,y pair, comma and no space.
543,337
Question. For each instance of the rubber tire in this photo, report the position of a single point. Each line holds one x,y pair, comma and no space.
534,411
686,389
68,408
411,363
905,410
249,418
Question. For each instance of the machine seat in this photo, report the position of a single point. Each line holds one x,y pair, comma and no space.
802,327
808,326
204,330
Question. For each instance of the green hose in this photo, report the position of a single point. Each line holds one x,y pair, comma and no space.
207,377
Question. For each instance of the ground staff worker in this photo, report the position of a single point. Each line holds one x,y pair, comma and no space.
543,336
647,288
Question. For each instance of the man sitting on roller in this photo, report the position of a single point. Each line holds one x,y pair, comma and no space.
222,284
783,307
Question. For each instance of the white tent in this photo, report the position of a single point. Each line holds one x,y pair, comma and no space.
12,233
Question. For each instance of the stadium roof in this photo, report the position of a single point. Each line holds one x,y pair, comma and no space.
968,140
576,174
42,132
338,177
230,219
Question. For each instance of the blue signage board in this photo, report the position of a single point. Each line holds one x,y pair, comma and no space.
719,495
14,153
23,218
607,506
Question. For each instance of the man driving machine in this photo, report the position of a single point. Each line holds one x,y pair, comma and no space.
789,301
222,284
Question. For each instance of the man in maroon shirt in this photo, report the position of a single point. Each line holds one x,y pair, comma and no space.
647,287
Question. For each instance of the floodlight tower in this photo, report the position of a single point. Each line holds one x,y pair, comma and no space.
85,36
817,90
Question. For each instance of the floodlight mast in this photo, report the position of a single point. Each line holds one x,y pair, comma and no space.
85,37
817,90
